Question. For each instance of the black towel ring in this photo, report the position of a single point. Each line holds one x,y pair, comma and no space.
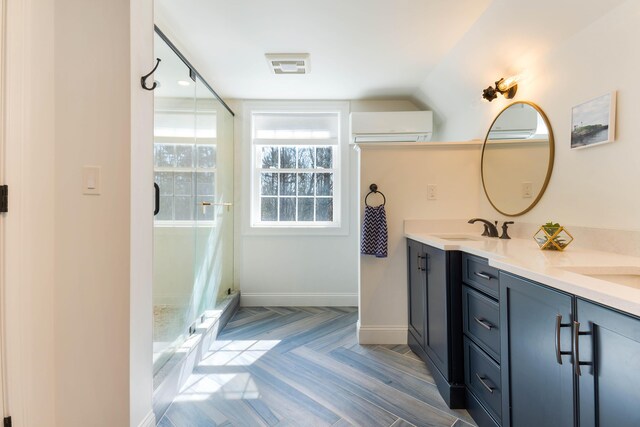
374,189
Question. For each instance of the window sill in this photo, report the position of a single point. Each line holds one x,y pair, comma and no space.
319,231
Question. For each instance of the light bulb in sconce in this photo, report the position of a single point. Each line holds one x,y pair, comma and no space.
506,87
506,84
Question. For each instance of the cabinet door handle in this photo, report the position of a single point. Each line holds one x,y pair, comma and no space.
576,348
481,378
488,326
483,275
559,351
422,266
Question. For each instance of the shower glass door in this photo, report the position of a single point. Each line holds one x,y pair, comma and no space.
214,197
193,230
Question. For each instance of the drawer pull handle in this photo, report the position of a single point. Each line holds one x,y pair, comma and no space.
488,326
559,325
483,275
484,384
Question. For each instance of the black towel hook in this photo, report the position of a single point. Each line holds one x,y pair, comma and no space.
374,189
143,79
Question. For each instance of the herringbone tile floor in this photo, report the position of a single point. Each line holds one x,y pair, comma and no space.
302,366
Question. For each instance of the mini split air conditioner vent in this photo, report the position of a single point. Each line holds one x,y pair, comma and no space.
288,63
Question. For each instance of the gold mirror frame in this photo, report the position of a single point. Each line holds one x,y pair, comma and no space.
549,166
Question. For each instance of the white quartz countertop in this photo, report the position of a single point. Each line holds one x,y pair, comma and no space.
523,258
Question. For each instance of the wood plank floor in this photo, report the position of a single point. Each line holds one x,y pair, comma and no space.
302,366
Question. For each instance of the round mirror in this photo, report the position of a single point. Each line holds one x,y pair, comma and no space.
517,158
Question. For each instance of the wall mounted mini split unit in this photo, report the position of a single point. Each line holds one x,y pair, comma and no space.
519,121
393,126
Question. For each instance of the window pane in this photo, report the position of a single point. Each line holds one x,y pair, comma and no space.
305,209
166,208
165,182
306,158
183,184
269,208
288,157
324,209
165,155
206,156
206,184
287,184
269,184
183,208
305,184
287,209
324,184
324,157
184,156
269,157
208,211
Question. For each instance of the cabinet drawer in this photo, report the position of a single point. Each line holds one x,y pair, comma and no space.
481,320
482,378
477,273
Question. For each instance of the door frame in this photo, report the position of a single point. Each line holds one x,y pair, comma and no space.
3,391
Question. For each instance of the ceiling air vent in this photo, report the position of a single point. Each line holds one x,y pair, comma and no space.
289,63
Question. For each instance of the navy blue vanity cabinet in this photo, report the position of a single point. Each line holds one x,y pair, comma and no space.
435,316
608,348
481,328
537,369
417,290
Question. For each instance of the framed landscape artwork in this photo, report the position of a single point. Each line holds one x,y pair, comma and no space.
594,122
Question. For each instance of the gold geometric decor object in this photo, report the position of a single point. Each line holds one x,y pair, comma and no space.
553,237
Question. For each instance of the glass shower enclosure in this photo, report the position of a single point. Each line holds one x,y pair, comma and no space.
193,229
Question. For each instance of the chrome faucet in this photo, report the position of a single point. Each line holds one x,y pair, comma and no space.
490,229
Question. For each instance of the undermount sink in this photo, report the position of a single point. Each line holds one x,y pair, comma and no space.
457,237
622,275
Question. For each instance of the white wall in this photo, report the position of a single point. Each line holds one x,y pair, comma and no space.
68,274
291,269
580,51
402,174
299,270
92,246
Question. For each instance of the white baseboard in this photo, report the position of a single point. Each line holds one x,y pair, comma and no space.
385,334
149,420
248,299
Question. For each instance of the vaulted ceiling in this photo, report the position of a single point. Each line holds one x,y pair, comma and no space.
358,48
440,52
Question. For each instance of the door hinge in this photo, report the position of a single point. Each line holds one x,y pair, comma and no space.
4,198
7,422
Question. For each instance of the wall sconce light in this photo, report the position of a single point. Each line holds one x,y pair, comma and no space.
506,87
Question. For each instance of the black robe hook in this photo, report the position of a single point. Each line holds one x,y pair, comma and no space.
143,79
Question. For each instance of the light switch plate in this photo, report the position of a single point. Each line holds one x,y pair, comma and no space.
432,191
91,180
527,190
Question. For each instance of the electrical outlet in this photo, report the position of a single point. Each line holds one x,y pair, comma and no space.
527,190
432,192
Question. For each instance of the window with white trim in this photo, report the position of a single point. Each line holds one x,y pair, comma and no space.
296,169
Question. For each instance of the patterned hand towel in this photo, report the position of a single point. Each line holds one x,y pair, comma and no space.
374,232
